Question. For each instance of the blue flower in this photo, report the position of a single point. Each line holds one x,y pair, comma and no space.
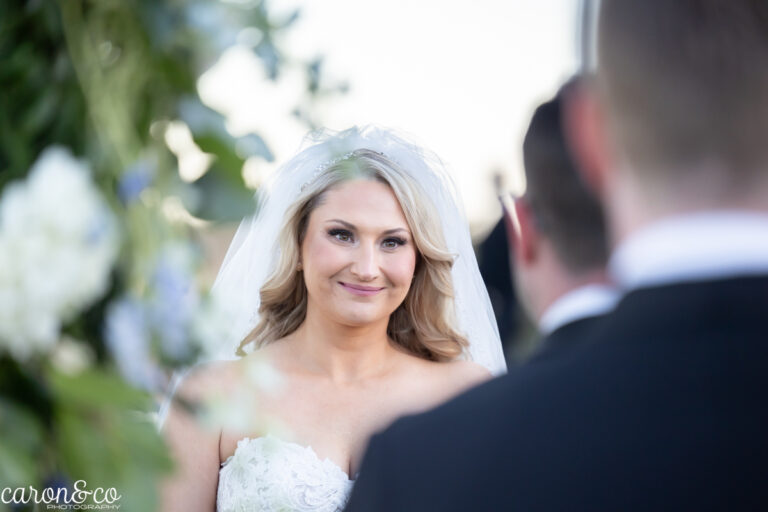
134,180
174,303
128,339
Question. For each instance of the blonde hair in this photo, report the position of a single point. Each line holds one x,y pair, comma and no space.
425,323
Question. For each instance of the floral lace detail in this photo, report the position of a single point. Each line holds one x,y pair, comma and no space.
271,475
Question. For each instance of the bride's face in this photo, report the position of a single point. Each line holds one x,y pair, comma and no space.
358,254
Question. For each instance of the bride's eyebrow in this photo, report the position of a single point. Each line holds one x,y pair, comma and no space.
352,227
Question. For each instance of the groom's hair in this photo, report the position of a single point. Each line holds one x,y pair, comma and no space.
563,208
685,83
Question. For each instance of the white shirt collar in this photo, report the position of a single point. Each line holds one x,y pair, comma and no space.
695,247
582,302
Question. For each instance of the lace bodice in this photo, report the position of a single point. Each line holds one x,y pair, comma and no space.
270,475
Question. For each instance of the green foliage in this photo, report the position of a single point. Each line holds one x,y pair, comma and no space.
104,78
41,101
18,459
95,75
105,438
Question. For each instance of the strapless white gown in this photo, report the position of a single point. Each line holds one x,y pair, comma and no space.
269,474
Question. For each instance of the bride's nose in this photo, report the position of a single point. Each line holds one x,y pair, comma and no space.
365,263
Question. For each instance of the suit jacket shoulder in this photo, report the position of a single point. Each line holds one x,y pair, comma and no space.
664,411
570,337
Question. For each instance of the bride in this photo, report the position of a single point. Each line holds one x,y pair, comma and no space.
357,286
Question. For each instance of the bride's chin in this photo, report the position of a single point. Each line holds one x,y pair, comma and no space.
359,320
358,317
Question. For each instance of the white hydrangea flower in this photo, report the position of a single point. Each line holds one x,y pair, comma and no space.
262,375
72,356
210,326
235,411
58,243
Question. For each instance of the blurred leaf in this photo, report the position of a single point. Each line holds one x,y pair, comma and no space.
228,165
24,387
113,447
290,19
97,388
314,69
253,145
269,56
18,459
84,450
41,111
201,119
220,200
88,326
17,467
20,423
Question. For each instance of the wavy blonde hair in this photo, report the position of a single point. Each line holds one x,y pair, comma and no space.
425,322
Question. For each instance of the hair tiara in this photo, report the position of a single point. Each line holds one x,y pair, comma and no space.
330,163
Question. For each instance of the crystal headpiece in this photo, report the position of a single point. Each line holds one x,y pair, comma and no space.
330,163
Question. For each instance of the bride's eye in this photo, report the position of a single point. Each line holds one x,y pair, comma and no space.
341,235
393,243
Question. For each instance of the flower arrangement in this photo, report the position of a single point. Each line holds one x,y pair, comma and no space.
58,243
101,296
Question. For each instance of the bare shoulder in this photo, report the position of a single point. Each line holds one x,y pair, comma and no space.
451,378
194,446
468,372
208,378
462,375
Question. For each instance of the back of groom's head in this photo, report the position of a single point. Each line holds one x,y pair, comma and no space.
563,208
685,83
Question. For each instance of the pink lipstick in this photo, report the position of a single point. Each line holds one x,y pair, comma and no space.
364,291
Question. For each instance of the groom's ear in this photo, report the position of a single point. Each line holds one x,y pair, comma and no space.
586,134
526,236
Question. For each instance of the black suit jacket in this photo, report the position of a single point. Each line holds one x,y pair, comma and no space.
666,410
566,339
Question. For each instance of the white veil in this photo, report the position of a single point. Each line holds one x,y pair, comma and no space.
253,253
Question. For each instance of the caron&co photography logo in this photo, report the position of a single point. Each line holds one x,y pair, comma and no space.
61,499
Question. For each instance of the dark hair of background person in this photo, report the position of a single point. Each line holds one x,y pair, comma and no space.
562,206
686,86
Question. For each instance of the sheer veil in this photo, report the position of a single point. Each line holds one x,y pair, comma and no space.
254,252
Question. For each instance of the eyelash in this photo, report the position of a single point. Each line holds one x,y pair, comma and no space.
343,232
336,232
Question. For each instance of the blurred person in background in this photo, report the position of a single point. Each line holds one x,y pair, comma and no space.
665,408
559,241
493,257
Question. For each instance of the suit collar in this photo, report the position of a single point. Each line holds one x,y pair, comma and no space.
582,302
696,247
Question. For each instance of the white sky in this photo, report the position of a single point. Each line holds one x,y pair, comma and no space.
463,78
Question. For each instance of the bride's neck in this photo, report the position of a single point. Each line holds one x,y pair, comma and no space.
342,353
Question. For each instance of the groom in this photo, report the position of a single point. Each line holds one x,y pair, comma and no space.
668,408
559,241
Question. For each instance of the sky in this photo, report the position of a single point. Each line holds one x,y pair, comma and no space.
461,78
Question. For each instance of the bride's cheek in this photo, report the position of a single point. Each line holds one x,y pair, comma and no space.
402,285
408,267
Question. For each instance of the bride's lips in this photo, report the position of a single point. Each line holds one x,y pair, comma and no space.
364,291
